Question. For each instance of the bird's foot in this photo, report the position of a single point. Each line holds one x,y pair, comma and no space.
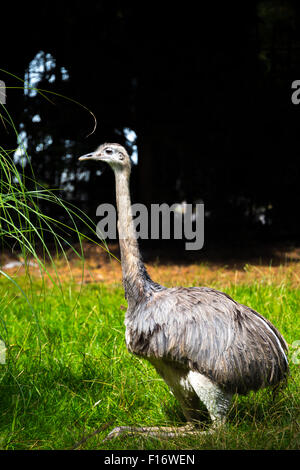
118,431
153,431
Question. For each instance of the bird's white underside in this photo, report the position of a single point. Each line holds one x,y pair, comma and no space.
186,385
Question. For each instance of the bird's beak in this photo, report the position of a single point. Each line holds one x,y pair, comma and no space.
88,156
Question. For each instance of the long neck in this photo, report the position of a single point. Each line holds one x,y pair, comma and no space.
135,277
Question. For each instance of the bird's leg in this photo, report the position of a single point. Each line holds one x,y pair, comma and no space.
153,431
216,400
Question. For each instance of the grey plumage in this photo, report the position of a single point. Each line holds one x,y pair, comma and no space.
203,343
206,331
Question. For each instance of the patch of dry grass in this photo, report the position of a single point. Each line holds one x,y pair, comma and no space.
100,267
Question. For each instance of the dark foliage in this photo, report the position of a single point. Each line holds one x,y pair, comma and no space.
208,93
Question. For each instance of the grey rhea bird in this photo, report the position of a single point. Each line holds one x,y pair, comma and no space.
205,345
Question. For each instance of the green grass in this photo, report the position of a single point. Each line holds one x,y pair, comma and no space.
69,373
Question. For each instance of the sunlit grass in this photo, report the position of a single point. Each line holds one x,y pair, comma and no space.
78,376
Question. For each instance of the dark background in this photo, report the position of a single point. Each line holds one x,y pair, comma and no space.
207,92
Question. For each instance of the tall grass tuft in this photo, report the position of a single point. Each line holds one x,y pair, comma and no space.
27,232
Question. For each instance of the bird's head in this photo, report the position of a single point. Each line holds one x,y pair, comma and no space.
113,154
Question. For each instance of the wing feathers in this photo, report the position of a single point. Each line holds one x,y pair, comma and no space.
205,330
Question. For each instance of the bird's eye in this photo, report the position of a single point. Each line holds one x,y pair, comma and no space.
108,151
121,156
